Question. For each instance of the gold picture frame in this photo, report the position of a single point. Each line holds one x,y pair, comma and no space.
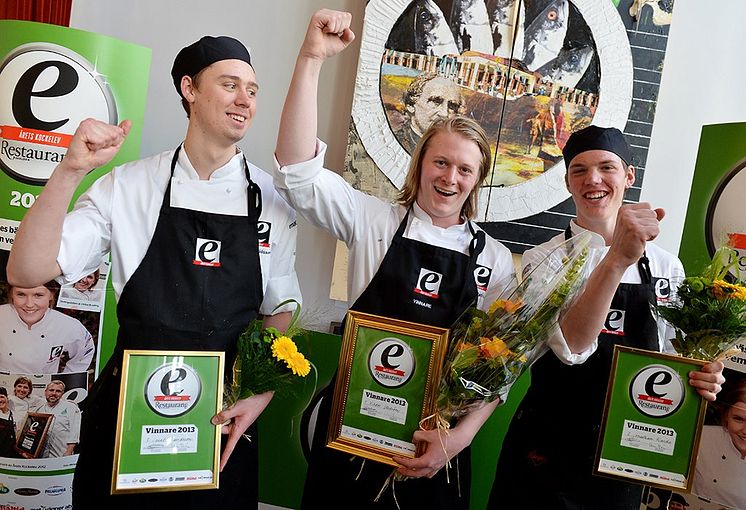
386,367
652,420
165,440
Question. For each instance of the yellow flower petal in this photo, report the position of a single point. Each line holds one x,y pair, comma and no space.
298,364
283,348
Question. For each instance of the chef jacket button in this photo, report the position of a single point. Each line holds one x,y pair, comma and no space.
14,331
227,190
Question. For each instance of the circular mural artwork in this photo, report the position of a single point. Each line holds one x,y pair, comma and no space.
530,72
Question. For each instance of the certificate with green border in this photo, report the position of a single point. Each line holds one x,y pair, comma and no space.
387,386
652,421
165,440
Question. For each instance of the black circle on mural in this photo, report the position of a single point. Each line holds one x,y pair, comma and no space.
46,90
725,198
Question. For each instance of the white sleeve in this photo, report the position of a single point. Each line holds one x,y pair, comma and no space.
282,284
556,340
81,350
324,198
86,232
74,436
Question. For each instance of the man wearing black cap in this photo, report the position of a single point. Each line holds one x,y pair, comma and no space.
548,454
200,244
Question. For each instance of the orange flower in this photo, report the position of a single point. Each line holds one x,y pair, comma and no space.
493,348
505,304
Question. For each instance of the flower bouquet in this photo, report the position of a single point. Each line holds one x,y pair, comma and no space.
708,312
489,351
267,360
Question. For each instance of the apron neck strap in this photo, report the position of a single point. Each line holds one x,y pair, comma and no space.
253,196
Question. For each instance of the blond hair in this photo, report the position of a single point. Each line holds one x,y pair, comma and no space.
467,128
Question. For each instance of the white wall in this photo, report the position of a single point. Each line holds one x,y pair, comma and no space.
702,80
273,30
701,85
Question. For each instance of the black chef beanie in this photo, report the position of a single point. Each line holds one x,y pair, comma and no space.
208,50
597,138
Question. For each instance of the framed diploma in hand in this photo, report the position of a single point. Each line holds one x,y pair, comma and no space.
652,421
164,439
386,387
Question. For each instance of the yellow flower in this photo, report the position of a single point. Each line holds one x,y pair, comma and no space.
505,304
493,348
298,364
722,289
283,348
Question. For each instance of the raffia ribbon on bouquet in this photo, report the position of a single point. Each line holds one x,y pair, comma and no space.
442,425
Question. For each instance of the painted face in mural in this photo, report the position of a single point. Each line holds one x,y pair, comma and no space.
440,98
735,424
597,180
223,103
31,304
449,172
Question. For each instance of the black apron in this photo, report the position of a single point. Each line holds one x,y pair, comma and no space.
172,302
547,457
8,436
332,480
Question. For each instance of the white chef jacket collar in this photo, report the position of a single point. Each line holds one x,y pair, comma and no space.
186,170
596,241
23,324
420,214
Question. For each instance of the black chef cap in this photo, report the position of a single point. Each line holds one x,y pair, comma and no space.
597,138
208,50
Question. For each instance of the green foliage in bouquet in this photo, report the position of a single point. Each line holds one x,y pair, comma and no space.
708,312
489,351
267,360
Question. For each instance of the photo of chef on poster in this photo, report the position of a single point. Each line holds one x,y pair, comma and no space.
51,78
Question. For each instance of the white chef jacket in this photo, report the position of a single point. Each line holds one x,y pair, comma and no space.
65,428
662,265
21,407
37,350
119,213
720,472
367,225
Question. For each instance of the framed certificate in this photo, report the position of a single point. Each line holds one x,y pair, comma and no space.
30,441
164,439
653,419
387,386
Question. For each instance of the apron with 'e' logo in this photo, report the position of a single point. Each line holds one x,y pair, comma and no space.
197,288
420,283
547,456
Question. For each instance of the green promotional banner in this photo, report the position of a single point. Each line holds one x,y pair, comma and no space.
51,79
653,419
